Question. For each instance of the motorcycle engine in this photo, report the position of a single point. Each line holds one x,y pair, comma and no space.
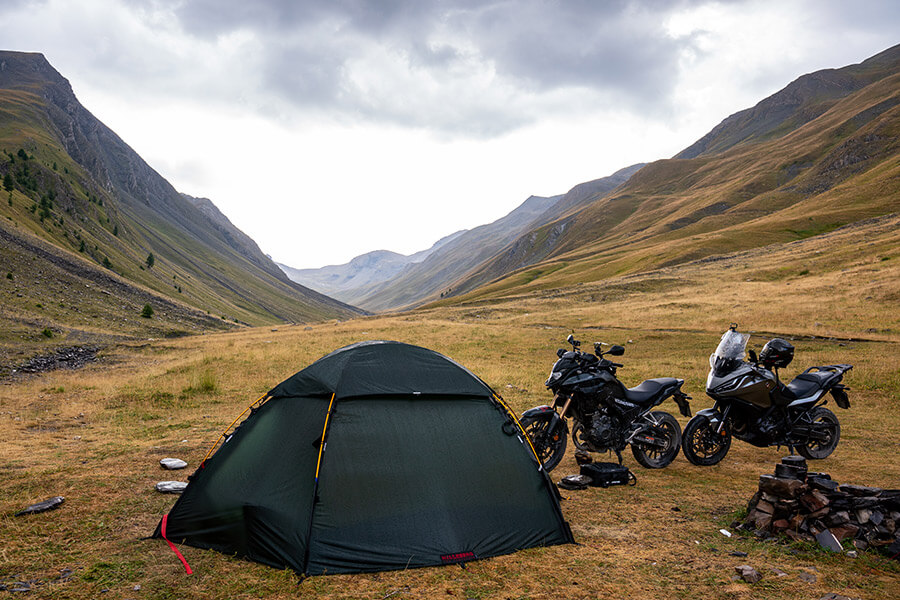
769,427
603,431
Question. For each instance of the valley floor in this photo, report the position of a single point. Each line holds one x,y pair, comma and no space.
95,436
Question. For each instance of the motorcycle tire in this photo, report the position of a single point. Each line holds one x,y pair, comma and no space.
823,420
702,445
669,431
550,446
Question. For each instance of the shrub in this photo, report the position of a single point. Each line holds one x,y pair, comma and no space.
150,260
106,263
147,312
9,275
47,333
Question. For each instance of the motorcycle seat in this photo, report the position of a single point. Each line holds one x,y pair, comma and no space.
649,390
807,384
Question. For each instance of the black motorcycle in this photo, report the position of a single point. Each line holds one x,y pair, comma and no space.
606,416
753,405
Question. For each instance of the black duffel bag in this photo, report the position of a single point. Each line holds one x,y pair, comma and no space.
605,474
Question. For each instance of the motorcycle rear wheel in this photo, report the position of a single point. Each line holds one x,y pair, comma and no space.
702,444
825,421
550,446
668,432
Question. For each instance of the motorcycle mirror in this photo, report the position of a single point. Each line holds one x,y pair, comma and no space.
571,339
753,357
560,352
616,350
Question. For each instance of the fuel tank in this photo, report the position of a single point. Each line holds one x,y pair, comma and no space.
745,383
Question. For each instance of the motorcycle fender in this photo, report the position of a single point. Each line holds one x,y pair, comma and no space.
711,415
681,399
839,393
545,412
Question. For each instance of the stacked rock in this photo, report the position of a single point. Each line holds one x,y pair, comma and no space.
812,507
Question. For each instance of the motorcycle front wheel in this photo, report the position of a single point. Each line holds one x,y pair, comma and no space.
550,446
667,434
824,422
702,444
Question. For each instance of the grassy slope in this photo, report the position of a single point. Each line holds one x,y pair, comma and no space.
95,436
837,169
194,263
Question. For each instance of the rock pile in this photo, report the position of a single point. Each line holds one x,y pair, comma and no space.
812,507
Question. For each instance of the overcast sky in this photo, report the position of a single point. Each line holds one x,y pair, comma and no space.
326,129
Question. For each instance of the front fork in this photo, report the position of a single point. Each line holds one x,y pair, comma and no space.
565,408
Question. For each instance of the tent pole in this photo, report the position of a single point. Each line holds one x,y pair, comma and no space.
261,400
519,425
316,482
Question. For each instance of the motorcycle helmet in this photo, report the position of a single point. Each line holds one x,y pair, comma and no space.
776,353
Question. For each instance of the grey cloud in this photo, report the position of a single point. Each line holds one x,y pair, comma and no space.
616,49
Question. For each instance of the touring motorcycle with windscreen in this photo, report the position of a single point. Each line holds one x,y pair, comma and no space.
606,415
753,405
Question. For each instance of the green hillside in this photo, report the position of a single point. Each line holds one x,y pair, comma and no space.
70,182
837,168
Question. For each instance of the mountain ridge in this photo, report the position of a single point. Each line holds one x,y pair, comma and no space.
76,184
840,167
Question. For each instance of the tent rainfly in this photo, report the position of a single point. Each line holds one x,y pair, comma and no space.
378,456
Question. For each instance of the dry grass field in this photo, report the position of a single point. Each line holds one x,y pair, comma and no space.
95,436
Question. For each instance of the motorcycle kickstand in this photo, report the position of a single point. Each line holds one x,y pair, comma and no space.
619,456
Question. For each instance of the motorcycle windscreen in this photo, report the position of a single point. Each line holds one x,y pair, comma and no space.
732,346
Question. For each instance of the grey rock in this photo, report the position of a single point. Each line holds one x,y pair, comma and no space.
40,507
172,463
748,573
827,540
807,577
171,487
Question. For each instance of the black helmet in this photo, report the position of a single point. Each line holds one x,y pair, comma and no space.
776,353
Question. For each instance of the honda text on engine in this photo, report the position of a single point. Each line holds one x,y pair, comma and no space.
752,404
606,416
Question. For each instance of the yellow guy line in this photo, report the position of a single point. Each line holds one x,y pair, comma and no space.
261,400
522,429
324,430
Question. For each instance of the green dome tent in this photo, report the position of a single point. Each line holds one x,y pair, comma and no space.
378,456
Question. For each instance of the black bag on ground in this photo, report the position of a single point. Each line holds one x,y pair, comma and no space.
605,474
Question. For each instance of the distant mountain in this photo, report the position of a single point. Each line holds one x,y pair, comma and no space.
382,280
364,271
71,182
448,261
820,154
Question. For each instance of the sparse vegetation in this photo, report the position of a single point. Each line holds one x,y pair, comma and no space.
147,311
142,406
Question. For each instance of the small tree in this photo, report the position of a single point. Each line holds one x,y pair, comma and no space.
106,263
147,313
116,230
150,260
8,183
